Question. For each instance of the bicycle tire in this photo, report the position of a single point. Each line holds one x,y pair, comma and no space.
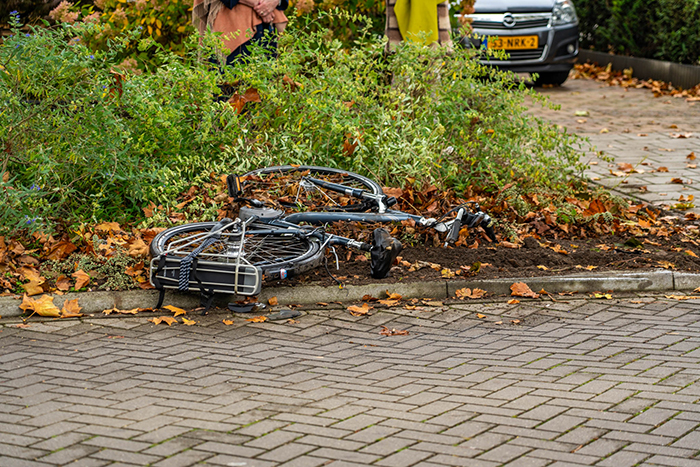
347,178
279,255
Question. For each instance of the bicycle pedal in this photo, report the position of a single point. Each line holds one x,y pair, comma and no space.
247,307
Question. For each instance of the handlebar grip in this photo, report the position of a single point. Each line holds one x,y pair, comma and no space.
487,225
233,183
364,246
391,200
453,234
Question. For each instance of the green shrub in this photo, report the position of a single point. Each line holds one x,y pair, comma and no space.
660,29
83,143
344,20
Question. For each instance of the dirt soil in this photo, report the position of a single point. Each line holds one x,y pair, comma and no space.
533,259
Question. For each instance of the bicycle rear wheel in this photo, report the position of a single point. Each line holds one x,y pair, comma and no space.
283,186
278,252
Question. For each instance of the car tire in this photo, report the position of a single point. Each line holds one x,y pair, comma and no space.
551,77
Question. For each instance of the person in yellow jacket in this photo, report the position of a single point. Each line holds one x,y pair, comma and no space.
424,21
418,20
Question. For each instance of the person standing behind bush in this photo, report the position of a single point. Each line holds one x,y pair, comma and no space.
242,22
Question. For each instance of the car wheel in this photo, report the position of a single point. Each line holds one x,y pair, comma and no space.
552,77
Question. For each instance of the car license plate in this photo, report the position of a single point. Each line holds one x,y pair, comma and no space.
513,42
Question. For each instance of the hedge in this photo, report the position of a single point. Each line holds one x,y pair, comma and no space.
659,29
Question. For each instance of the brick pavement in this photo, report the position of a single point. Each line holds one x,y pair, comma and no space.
582,382
634,127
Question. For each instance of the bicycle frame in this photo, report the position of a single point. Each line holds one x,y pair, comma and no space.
380,204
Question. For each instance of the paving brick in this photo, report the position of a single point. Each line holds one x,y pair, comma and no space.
543,412
61,441
14,462
172,446
20,451
406,457
358,422
273,440
690,441
504,453
305,461
561,423
290,451
526,461
444,459
623,458
601,447
125,457
564,457
69,454
673,461
184,459
116,443
54,430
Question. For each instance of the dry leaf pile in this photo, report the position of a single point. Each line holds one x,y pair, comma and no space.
625,79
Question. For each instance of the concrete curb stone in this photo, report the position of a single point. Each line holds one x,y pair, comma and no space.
622,282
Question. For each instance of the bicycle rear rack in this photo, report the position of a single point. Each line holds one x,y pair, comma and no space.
208,276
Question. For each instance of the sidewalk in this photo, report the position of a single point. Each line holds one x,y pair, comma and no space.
577,382
636,128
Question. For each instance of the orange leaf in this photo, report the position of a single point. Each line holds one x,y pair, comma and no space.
359,310
163,319
63,283
389,302
520,289
71,309
108,227
252,95
272,301
477,293
138,249
393,296
447,273
625,167
662,169
188,322
124,312
228,322
176,310
480,316
513,301
81,279
690,253
33,287
43,306
258,319
61,250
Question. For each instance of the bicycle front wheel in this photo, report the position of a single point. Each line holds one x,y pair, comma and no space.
278,252
284,185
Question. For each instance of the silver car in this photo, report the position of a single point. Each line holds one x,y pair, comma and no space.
539,36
